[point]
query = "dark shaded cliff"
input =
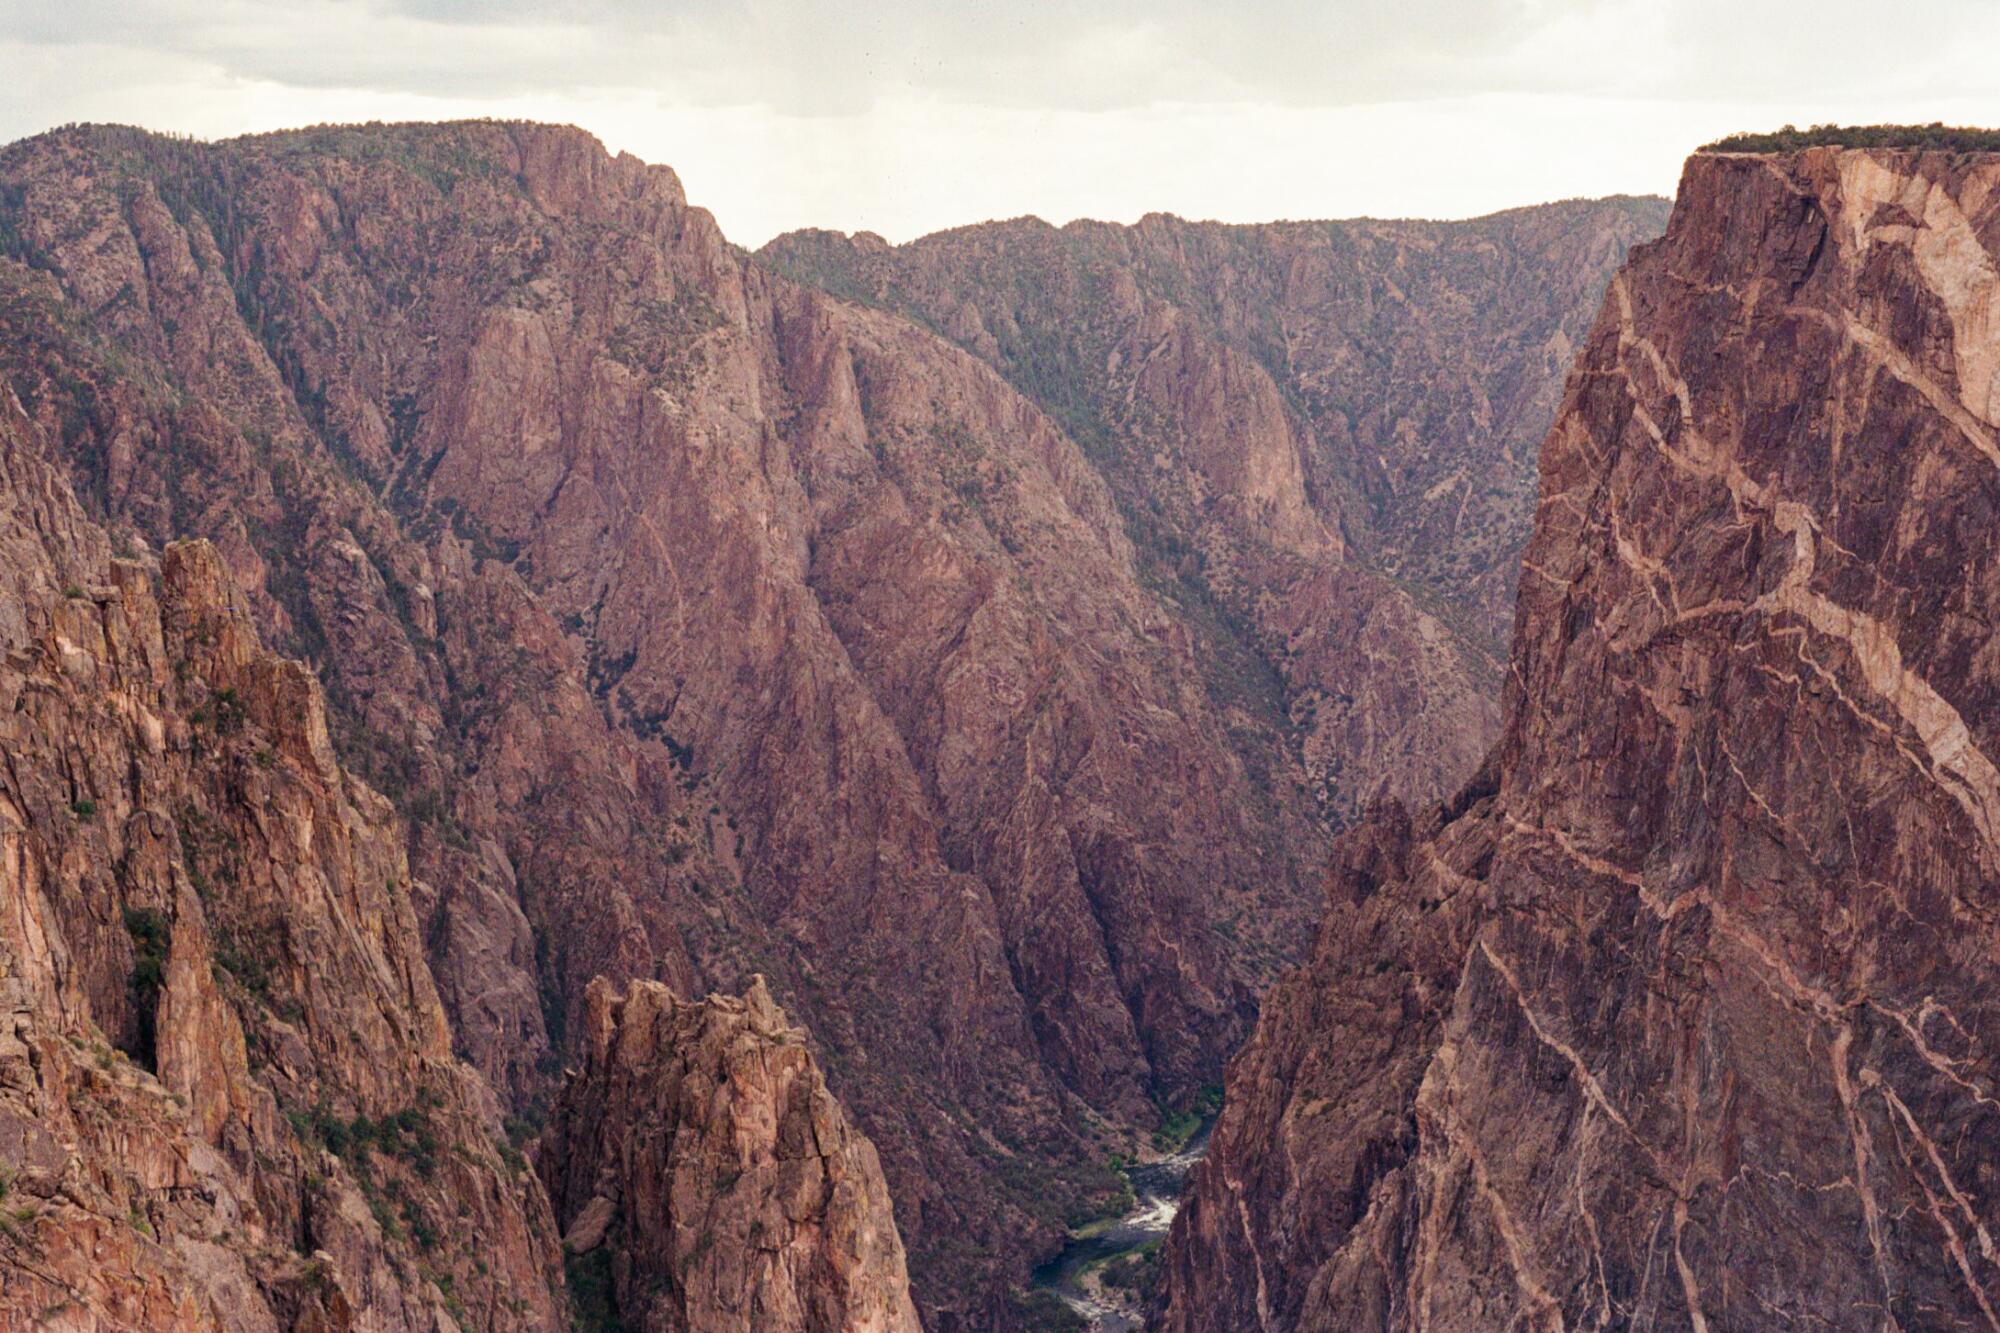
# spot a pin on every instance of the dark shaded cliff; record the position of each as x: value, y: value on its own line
x: 1683, y: 1016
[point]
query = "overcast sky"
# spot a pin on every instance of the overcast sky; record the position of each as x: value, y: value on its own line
x: 903, y: 117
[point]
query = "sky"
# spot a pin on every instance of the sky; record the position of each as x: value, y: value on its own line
x: 903, y: 117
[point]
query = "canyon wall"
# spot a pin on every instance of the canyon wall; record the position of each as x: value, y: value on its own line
x: 696, y: 623
x: 227, y: 1092
x: 1681, y: 1013
x: 1321, y: 435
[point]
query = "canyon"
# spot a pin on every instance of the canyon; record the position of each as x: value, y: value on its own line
x: 972, y: 647
x: 1680, y: 1013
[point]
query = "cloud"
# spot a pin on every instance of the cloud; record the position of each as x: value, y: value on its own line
x: 810, y: 57
x: 902, y: 117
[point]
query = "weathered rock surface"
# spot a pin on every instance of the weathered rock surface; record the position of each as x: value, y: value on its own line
x: 698, y: 623
x: 698, y: 1158
x: 1683, y: 1015
x: 1321, y: 435
x: 227, y: 1093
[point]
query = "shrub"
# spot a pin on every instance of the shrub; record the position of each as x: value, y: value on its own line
x: 421, y: 1229
x: 406, y: 1134
x: 1045, y: 1312
x: 1135, y: 1272
x: 592, y: 1299
x: 247, y: 968
x: 1949, y: 138
x: 151, y: 935
x: 228, y: 712
x: 516, y: 1163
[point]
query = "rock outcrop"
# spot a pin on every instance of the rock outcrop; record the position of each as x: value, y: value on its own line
x: 697, y: 1161
x: 1321, y: 435
x: 227, y: 1093
x: 1681, y: 1015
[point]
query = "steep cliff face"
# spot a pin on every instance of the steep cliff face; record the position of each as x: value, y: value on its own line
x: 227, y: 1092
x: 697, y: 623
x: 1683, y: 1017
x: 1322, y: 437
x: 698, y: 1162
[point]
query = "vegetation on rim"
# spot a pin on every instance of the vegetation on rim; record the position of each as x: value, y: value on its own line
x: 1949, y: 138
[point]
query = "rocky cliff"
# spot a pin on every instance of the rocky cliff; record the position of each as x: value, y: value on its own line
x: 227, y: 1096
x: 1681, y: 1015
x: 697, y: 623
x: 1321, y: 435
x: 227, y: 1092
x: 698, y: 1162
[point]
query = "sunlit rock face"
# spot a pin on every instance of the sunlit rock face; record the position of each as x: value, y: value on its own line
x: 1683, y: 1013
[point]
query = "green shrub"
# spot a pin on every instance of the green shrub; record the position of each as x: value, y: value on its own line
x: 248, y: 970
x: 406, y: 1134
x: 421, y: 1229
x: 385, y: 1217
x: 511, y: 1155
x: 228, y: 712
x: 1046, y: 1312
x: 1136, y: 1272
x: 1177, y: 1127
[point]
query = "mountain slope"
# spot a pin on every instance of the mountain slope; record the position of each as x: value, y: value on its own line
x: 227, y: 1099
x: 698, y: 622
x: 1321, y: 434
x: 1681, y: 1015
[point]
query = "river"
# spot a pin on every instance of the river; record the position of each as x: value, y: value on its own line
x: 1157, y: 1185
